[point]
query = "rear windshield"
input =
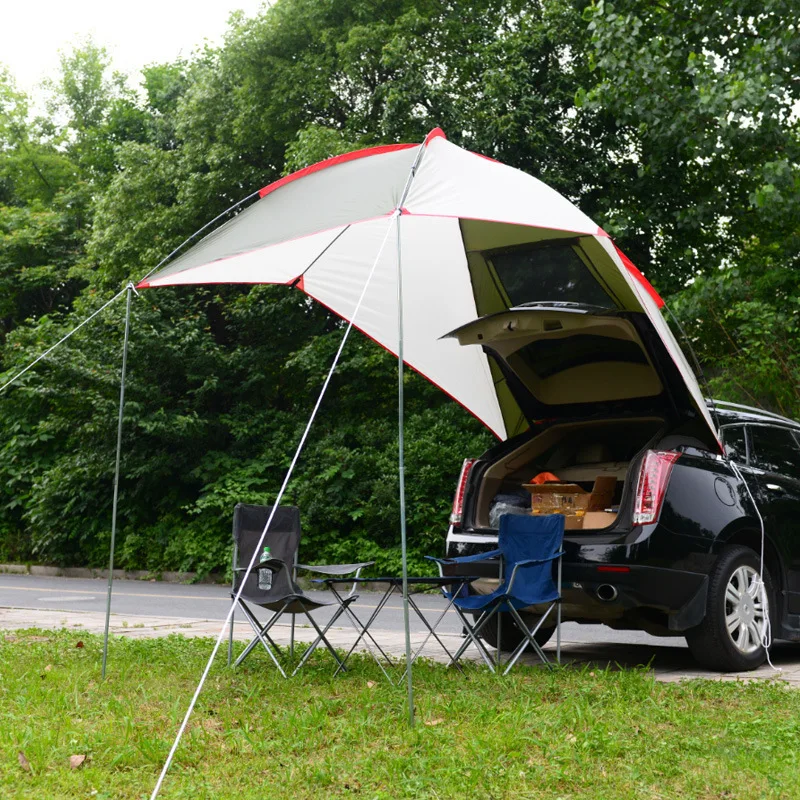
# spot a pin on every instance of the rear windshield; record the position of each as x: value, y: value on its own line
x: 554, y: 273
x: 547, y: 357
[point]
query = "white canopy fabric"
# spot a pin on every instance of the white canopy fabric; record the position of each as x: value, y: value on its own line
x: 320, y: 230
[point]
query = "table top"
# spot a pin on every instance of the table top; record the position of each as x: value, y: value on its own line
x: 394, y: 580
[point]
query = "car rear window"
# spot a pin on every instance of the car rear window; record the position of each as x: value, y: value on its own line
x: 554, y: 273
x: 775, y: 450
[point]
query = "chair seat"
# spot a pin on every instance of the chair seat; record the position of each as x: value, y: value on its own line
x: 478, y: 602
x: 294, y: 603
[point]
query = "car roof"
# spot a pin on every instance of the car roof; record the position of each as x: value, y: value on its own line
x: 729, y: 413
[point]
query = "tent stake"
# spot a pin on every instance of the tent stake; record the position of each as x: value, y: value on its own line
x: 116, y: 474
x: 402, y: 474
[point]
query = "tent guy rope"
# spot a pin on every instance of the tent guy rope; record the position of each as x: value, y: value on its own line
x: 126, y: 287
x: 256, y: 551
x: 64, y: 338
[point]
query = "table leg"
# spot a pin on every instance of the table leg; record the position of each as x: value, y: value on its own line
x: 364, y: 631
x: 357, y: 624
x: 432, y: 630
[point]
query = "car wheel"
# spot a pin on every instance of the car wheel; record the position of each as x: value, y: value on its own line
x: 510, y: 634
x: 737, y: 610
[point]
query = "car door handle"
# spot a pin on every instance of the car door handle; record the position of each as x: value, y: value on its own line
x: 775, y: 488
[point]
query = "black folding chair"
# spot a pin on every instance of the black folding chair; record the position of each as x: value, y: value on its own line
x: 283, y: 596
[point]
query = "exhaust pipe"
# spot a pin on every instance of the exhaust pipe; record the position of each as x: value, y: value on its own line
x: 606, y: 592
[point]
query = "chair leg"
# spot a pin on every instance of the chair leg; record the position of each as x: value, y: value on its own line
x: 320, y: 639
x: 472, y: 637
x: 476, y: 641
x: 261, y: 636
x: 529, y: 639
x: 558, y: 617
x: 230, y: 638
x: 234, y: 558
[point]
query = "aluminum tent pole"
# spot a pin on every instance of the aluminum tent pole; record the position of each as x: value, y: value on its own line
x: 402, y: 473
x: 116, y: 474
x: 400, y: 432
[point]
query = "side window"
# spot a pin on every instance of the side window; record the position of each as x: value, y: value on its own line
x: 734, y: 440
x: 775, y: 450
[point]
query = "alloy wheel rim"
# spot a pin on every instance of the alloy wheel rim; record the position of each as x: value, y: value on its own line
x: 746, y: 609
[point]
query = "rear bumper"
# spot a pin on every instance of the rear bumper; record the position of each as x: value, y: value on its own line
x: 678, y: 594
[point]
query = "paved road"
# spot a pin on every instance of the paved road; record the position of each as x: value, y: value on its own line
x: 143, y: 609
x: 200, y: 601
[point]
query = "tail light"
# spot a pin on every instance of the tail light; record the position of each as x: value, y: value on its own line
x: 653, y: 479
x: 458, y: 501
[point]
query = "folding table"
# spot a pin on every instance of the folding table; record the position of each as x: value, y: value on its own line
x: 394, y: 585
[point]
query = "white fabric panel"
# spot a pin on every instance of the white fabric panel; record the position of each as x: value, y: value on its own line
x: 360, y: 189
x: 437, y: 298
x: 660, y: 324
x: 454, y: 182
x: 280, y: 263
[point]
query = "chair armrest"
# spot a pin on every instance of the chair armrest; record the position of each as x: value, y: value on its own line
x: 272, y: 564
x: 336, y: 569
x: 467, y: 559
x: 339, y: 569
x: 530, y: 562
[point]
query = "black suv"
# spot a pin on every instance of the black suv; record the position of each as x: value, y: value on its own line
x: 599, y: 396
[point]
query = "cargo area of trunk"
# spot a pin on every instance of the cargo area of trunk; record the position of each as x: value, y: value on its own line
x: 576, y: 453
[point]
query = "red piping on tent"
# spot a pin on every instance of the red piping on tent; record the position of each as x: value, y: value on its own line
x: 332, y: 162
x: 410, y: 366
x: 631, y: 267
x: 352, y: 156
x: 436, y: 133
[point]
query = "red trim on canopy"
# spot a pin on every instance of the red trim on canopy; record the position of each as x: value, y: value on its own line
x: 436, y: 133
x: 631, y: 267
x: 332, y: 162
x: 410, y: 366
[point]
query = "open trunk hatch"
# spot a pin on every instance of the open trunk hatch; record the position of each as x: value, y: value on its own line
x: 567, y: 361
x: 572, y: 329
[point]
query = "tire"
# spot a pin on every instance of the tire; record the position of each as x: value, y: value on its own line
x: 729, y: 637
x: 510, y: 634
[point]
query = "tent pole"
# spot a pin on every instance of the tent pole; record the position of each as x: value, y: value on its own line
x: 116, y: 474
x: 402, y: 473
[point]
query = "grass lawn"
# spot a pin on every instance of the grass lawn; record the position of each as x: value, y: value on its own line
x: 563, y: 734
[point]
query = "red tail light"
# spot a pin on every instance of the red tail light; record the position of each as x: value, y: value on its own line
x: 652, y: 486
x: 458, y: 501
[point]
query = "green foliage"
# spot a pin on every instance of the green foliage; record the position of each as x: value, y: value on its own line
x: 577, y: 733
x: 674, y: 126
x: 744, y: 322
x: 707, y: 140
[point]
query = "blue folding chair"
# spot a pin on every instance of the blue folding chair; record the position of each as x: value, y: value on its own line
x: 528, y: 546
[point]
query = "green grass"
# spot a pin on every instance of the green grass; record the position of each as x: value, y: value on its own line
x: 535, y: 734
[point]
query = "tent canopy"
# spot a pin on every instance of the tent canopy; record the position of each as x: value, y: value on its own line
x: 320, y: 230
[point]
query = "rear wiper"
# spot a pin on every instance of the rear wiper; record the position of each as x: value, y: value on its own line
x: 568, y: 305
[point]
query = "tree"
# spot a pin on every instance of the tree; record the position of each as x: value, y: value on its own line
x: 707, y: 195
x: 707, y: 146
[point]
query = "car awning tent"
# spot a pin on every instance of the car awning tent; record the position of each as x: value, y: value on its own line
x: 320, y: 229
x: 325, y: 229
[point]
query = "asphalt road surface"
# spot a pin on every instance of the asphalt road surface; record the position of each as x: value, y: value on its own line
x: 202, y: 601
